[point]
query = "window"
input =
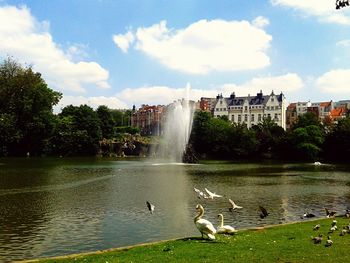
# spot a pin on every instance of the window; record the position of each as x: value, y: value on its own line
x: 245, y: 108
x: 239, y: 118
x: 276, y: 116
x: 268, y: 107
x: 252, y: 118
x: 246, y: 117
x: 259, y: 117
x: 233, y: 118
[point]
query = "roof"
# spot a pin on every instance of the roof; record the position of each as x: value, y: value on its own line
x: 338, y: 112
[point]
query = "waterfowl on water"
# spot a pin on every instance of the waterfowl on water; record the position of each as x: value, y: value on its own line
x: 330, y: 213
x: 308, y: 215
x: 264, y: 212
x: 204, y: 226
x: 317, y: 240
x: 234, y: 206
x: 211, y: 194
x: 224, y: 229
x: 200, y: 193
x: 150, y: 207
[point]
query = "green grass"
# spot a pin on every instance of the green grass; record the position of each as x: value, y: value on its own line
x: 284, y: 243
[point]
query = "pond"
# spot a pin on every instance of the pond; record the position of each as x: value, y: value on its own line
x: 51, y: 207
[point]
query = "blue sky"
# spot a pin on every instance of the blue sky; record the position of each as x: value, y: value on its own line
x: 119, y: 53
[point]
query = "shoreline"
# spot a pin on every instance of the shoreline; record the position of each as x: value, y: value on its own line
x: 126, y: 248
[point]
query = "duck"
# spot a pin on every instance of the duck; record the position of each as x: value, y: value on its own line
x: 150, y: 207
x: 204, y: 226
x: 234, y: 206
x: 317, y: 227
x: 224, y: 229
x: 211, y: 194
x: 317, y: 240
x: 329, y: 242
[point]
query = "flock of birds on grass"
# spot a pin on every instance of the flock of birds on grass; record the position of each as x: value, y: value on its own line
x: 207, y: 229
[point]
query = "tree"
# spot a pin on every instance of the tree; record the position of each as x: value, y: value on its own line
x: 106, y: 121
x: 26, y: 104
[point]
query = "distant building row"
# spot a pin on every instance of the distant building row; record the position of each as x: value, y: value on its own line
x: 247, y: 109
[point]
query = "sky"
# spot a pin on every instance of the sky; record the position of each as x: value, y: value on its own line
x: 121, y: 53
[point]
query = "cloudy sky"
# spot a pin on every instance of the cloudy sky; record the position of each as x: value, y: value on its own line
x: 124, y: 52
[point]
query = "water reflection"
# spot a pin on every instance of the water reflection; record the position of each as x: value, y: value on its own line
x: 52, y: 207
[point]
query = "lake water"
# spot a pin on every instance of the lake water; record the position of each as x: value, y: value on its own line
x: 51, y: 207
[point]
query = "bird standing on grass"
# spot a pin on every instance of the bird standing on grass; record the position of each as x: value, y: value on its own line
x: 317, y: 240
x: 329, y: 242
x: 330, y: 214
x: 204, y: 226
x: 224, y: 229
x: 317, y: 227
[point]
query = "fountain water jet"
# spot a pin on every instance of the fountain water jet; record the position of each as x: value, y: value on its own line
x: 177, y: 129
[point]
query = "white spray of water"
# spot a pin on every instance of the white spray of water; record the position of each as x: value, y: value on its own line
x: 177, y: 129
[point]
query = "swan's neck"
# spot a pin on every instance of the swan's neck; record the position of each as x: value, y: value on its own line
x: 221, y: 221
x: 200, y: 214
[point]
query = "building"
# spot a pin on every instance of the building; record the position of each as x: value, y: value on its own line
x: 252, y: 109
x: 148, y: 119
x: 324, y: 108
x: 207, y: 104
x: 291, y: 115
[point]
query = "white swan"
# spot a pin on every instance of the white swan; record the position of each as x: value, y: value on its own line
x: 224, y: 229
x: 203, y: 225
x: 234, y: 206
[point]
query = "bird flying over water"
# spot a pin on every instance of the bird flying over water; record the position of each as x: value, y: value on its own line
x: 264, y: 212
x: 234, y: 206
x: 150, y: 207
x: 200, y: 193
x: 211, y: 194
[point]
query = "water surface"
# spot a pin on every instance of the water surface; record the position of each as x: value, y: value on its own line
x: 52, y: 207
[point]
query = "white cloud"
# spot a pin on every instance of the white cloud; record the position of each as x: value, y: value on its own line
x: 260, y: 22
x: 29, y: 41
x: 204, y: 46
x: 335, y: 82
x: 344, y: 43
x: 324, y: 9
x: 124, y: 41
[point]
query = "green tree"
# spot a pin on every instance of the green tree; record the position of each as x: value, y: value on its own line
x: 26, y: 104
x: 107, y: 122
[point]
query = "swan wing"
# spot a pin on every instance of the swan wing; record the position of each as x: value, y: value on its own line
x: 205, y: 226
x: 211, y: 194
x: 226, y: 229
x: 234, y: 206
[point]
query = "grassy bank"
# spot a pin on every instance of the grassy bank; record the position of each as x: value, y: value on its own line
x: 284, y: 243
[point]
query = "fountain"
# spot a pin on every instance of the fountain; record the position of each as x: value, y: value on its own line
x: 177, y: 129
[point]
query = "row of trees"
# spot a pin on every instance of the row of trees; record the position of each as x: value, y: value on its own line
x: 309, y: 139
x: 28, y: 124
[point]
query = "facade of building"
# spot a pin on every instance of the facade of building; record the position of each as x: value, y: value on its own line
x: 324, y: 108
x: 252, y: 109
x: 207, y: 104
x: 148, y: 119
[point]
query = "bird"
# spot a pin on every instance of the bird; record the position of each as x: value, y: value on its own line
x: 347, y: 213
x: 343, y: 232
x: 329, y: 242
x: 307, y: 215
x: 264, y: 212
x: 334, y: 223
x: 150, y: 206
x: 317, y: 227
x: 224, y: 229
x: 204, y: 226
x: 211, y: 194
x: 317, y: 240
x: 200, y: 193
x: 332, y: 229
x: 330, y: 213
x: 234, y: 206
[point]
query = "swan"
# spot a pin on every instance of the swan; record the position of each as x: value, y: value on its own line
x: 224, y: 229
x: 150, y: 207
x: 211, y: 194
x: 203, y: 225
x: 200, y: 193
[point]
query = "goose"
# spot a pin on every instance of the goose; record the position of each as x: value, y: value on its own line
x: 211, y: 194
x: 204, y: 226
x: 264, y: 212
x: 308, y: 215
x: 150, y: 206
x: 334, y: 223
x: 234, y: 206
x: 343, y: 232
x: 224, y: 229
x: 317, y: 227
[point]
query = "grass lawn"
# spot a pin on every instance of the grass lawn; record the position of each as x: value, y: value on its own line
x: 283, y: 243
